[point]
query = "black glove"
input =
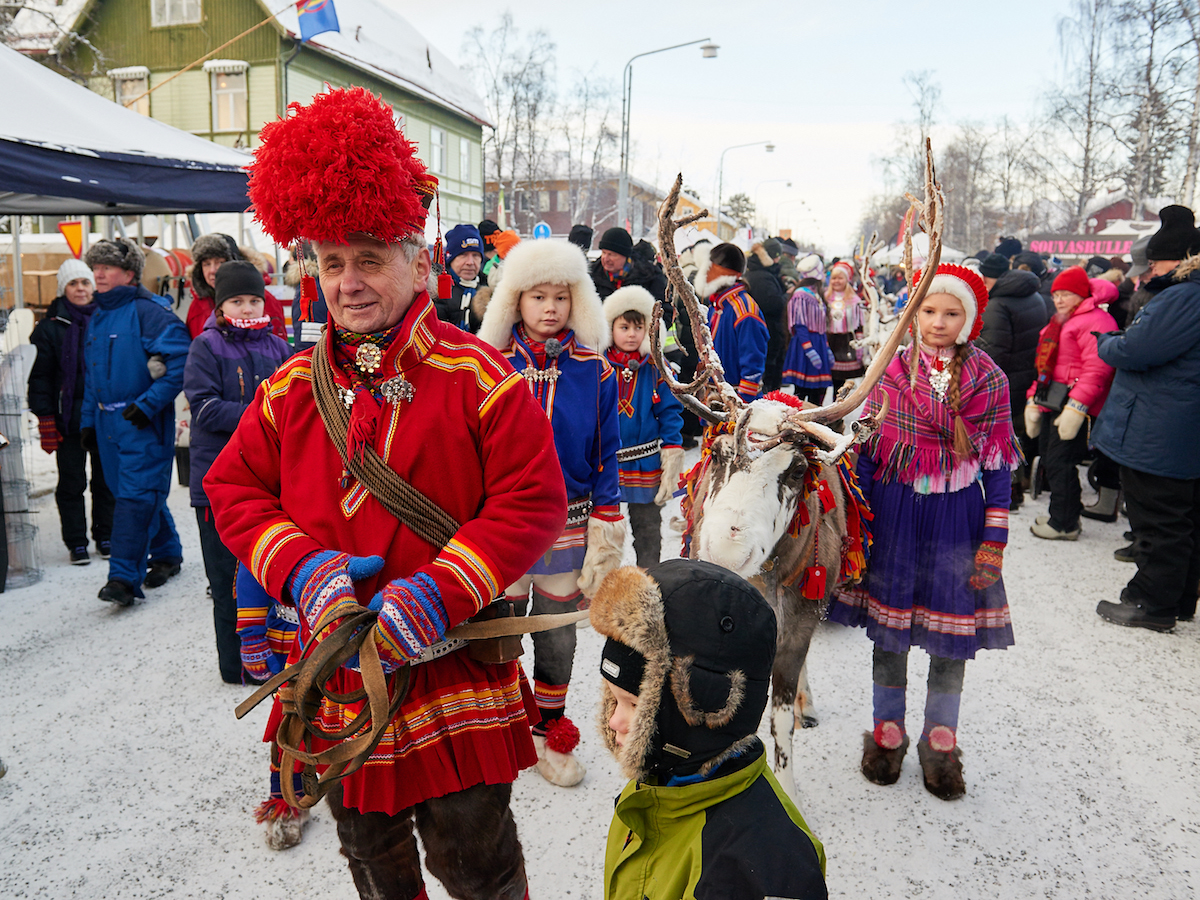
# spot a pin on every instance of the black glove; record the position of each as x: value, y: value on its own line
x: 87, y: 439
x: 136, y: 416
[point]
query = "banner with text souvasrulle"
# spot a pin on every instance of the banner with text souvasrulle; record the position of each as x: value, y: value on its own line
x: 1081, y: 244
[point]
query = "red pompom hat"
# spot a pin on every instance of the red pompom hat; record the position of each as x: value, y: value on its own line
x: 336, y: 167
x: 1074, y: 280
x: 966, y: 285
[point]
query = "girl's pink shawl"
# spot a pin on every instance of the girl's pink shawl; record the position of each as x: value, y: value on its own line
x: 915, y: 444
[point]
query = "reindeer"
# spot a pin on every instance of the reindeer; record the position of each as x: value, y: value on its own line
x: 747, y: 497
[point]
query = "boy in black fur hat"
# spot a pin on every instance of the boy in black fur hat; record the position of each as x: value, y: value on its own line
x: 686, y: 671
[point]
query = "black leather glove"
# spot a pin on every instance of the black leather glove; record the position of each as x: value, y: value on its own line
x: 87, y: 439
x: 136, y: 416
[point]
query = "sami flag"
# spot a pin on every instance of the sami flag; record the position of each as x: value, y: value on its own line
x: 316, y: 17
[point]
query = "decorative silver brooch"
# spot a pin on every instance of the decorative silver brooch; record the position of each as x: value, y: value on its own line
x: 396, y: 389
x: 368, y: 358
x: 939, y: 380
x: 536, y: 376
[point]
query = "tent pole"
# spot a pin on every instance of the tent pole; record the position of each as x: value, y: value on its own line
x: 120, y: 221
x: 87, y: 233
x: 18, y: 275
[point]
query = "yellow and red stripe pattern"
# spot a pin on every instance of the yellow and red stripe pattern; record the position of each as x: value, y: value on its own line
x: 472, y: 569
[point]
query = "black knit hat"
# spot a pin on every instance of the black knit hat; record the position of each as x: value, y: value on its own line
x: 993, y: 266
x: 617, y: 240
x: 1097, y: 265
x: 1032, y: 261
x: 728, y: 255
x: 581, y: 237
x: 238, y: 277
x: 697, y: 644
x: 1009, y: 247
x: 1176, y: 238
x: 487, y: 227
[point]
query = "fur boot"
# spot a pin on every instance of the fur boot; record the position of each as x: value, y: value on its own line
x: 1106, y: 507
x: 555, y: 760
x: 605, y: 547
x: 943, y: 771
x: 284, y: 824
x: 881, y: 766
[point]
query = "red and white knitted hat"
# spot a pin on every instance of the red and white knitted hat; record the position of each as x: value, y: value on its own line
x: 968, y: 288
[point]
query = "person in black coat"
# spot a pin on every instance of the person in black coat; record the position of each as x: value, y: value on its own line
x: 618, y: 267
x: 765, y: 284
x: 1012, y: 321
x: 464, y: 261
x: 56, y: 398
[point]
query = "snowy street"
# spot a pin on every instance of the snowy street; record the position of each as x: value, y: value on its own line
x: 128, y: 775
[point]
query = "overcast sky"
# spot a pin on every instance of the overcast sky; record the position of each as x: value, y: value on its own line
x: 821, y: 80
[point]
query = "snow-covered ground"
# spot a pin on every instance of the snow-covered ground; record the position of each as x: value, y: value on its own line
x: 128, y: 776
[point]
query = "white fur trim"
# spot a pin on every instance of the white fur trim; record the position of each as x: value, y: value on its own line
x: 531, y: 263
x: 705, y: 289
x: 944, y: 283
x: 640, y: 300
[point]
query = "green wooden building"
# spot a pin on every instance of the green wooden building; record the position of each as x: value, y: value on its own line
x: 122, y: 48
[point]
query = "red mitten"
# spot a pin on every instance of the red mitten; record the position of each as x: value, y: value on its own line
x: 48, y: 434
x: 989, y: 559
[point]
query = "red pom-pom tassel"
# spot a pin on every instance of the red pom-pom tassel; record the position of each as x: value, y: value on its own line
x: 561, y: 735
x: 363, y: 418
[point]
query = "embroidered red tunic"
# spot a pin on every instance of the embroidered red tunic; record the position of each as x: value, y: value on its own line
x: 474, y: 441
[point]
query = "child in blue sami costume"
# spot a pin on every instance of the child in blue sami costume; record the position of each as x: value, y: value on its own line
x: 651, y: 417
x: 546, y: 317
x: 738, y: 330
x: 267, y: 629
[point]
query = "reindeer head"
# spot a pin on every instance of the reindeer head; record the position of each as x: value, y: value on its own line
x: 758, y: 471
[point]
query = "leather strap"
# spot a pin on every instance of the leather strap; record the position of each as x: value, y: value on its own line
x: 427, y: 520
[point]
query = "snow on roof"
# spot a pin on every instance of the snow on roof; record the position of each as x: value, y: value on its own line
x: 40, y: 24
x: 380, y: 41
x: 1104, y: 199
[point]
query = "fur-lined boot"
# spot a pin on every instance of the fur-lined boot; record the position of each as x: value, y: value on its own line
x: 556, y: 759
x: 943, y: 771
x: 880, y: 763
x: 284, y: 824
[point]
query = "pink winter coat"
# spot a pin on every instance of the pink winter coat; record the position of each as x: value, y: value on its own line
x: 1077, y: 362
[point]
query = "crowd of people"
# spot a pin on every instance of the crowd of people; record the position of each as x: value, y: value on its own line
x: 513, y: 401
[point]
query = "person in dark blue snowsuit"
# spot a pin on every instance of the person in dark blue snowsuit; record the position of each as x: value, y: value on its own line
x: 130, y: 416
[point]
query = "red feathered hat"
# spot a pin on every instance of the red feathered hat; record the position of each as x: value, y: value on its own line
x: 336, y: 167
x: 968, y: 287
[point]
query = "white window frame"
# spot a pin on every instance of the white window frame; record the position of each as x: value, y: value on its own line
x: 130, y: 82
x: 437, y: 150
x: 165, y: 13
x: 465, y: 175
x: 225, y: 100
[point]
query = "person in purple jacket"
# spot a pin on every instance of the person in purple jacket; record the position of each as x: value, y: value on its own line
x: 235, y: 351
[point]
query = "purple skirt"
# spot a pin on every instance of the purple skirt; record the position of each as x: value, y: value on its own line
x: 917, y: 588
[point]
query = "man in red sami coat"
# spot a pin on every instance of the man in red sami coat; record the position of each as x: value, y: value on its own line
x: 450, y: 416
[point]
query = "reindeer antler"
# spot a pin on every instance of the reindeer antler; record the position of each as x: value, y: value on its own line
x: 710, y: 375
x: 930, y: 213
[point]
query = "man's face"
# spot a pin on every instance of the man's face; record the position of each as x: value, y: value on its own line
x: 369, y: 285
x: 109, y: 277
x: 612, y: 262
x: 466, y: 265
x: 1162, y: 267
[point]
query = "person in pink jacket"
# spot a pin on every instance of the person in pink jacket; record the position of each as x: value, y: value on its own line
x: 1072, y: 384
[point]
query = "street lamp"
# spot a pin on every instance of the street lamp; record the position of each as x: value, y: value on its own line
x: 758, y: 188
x: 802, y: 202
x: 721, y: 172
x: 708, y: 51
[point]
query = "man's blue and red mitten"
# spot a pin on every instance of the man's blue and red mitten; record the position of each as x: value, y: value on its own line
x: 411, y: 618
x: 322, y: 585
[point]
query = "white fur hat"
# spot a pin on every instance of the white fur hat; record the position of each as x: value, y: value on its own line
x: 531, y: 263
x: 638, y: 299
